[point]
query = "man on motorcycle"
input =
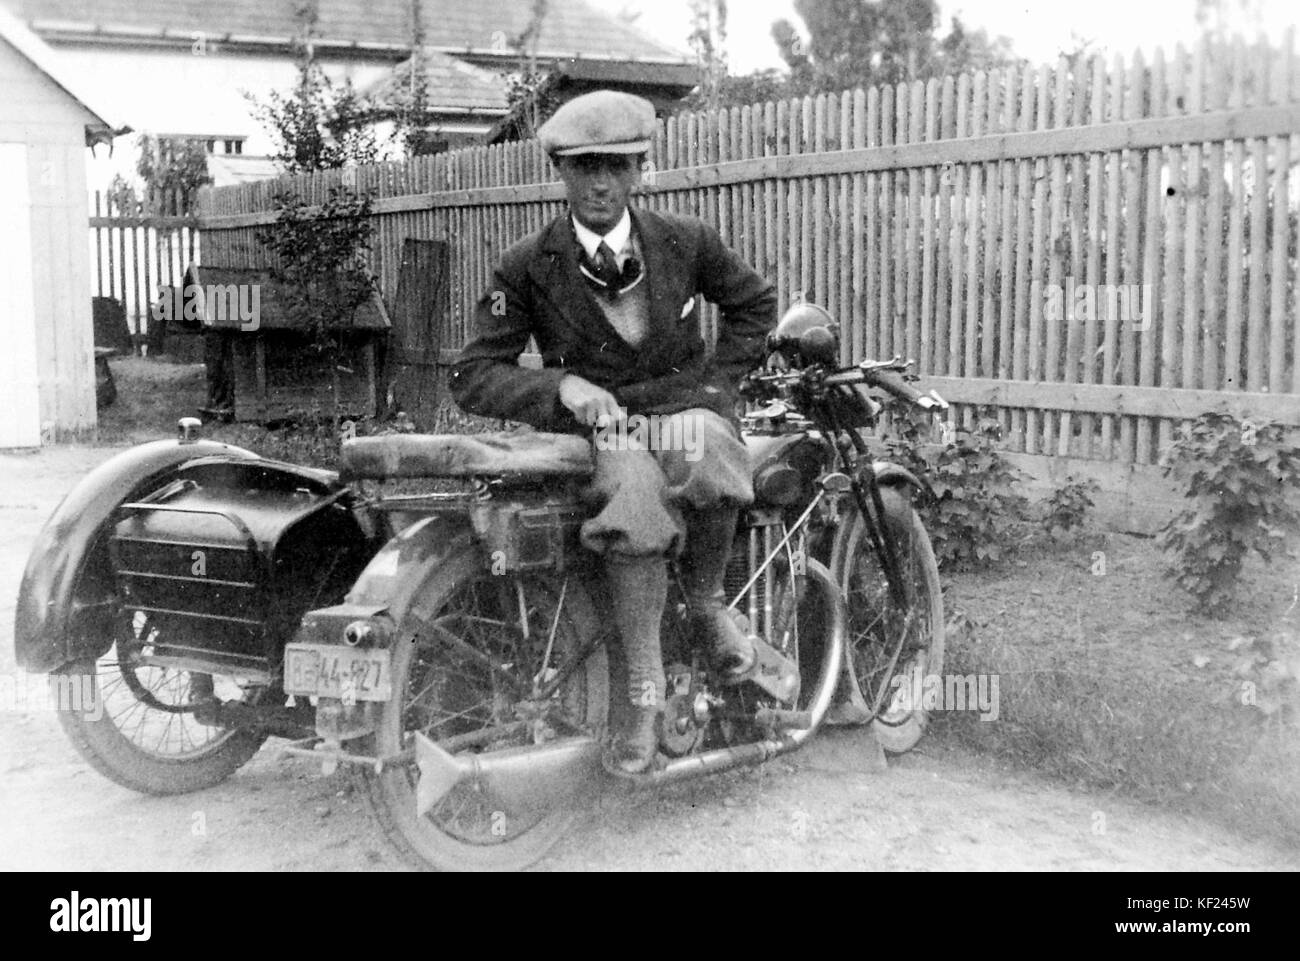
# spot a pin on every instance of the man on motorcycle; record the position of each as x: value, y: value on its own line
x: 609, y: 294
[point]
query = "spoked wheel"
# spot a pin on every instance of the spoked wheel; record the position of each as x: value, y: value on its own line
x: 135, y: 723
x: 485, y: 663
x: 892, y: 648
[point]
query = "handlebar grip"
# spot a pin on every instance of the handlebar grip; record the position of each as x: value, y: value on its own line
x: 892, y: 382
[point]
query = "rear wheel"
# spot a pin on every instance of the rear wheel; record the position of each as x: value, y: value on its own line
x: 465, y: 667
x: 135, y: 724
x: 893, y: 648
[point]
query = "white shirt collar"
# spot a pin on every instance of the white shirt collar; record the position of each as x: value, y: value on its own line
x: 616, y: 238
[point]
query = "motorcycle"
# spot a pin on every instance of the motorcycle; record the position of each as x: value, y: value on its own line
x: 449, y: 646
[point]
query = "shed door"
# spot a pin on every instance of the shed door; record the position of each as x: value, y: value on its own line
x: 20, y: 419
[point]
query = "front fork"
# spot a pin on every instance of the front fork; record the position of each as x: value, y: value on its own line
x: 866, y: 491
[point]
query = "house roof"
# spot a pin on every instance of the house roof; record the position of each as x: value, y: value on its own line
x: 38, y: 53
x: 449, y: 81
x: 454, y: 26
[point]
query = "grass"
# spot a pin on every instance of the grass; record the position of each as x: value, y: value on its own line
x: 1106, y: 680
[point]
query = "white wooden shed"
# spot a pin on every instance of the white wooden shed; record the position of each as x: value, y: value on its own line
x: 47, y: 376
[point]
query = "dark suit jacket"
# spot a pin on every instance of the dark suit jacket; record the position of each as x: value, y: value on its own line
x: 538, y: 290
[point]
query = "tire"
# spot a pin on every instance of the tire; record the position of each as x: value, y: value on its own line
x: 467, y: 830
x: 143, y: 747
x: 876, y: 623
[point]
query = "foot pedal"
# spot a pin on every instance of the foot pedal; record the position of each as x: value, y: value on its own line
x: 772, y: 671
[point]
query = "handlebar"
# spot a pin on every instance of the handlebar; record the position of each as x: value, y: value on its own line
x: 885, y: 375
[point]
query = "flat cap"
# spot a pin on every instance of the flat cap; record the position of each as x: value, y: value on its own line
x: 604, y: 121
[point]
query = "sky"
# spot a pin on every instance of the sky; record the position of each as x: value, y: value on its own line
x: 1039, y: 29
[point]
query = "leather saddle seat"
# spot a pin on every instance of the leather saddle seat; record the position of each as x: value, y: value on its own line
x: 512, y: 456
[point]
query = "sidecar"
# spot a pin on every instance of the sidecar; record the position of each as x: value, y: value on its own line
x: 197, y: 598
x: 161, y: 593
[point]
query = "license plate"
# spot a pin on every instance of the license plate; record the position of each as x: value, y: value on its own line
x: 323, y: 670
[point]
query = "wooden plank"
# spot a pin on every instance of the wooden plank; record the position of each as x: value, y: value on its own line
x: 1083, y: 360
x: 1148, y: 133
x: 1057, y: 225
x: 860, y: 236
x: 1168, y: 403
x: 929, y: 241
x: 943, y: 242
x: 884, y: 249
x: 1034, y: 369
x: 1025, y: 290
x: 975, y: 220
x: 784, y: 231
x: 872, y: 307
x: 991, y: 223
x: 957, y: 238
x: 1000, y: 360
x: 1281, y: 268
x: 817, y: 192
x: 1115, y: 252
x: 1256, y: 362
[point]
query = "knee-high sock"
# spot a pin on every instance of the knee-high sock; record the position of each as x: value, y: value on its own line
x: 704, y: 559
x: 638, y: 590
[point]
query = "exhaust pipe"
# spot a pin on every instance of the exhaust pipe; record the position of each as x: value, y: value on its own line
x: 519, y: 777
x: 527, y: 776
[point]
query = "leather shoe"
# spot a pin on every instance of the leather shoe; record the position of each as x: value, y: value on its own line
x: 723, y: 635
x: 633, y: 749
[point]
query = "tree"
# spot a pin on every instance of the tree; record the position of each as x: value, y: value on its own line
x: 410, y: 91
x: 318, y: 125
x: 319, y: 252
x: 862, y: 43
x: 708, y: 38
x: 172, y: 166
x: 528, y: 88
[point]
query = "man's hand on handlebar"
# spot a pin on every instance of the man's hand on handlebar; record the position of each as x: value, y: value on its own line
x: 589, y: 404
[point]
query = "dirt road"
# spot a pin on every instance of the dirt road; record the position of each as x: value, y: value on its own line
x: 822, y: 809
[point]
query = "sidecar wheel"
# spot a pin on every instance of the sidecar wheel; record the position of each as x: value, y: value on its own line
x: 448, y: 693
x: 877, y: 625
x: 148, y: 749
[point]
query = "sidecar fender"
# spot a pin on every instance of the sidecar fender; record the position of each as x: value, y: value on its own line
x: 64, y: 607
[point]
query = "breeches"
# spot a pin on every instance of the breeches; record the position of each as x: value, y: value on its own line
x: 647, y: 473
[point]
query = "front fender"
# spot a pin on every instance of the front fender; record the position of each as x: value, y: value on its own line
x: 892, y: 475
x: 64, y: 605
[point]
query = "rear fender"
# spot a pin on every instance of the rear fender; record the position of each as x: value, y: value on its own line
x: 64, y: 610
x: 390, y: 583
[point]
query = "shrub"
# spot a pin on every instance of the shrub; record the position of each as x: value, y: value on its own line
x: 1068, y: 506
x: 1237, y: 476
x: 976, y: 505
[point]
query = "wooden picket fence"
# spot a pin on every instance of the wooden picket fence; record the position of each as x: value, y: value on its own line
x: 135, y: 252
x: 963, y: 222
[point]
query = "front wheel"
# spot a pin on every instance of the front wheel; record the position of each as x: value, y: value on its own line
x: 892, y: 648
x: 470, y: 663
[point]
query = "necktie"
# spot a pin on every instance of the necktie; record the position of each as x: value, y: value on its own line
x: 607, y: 267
